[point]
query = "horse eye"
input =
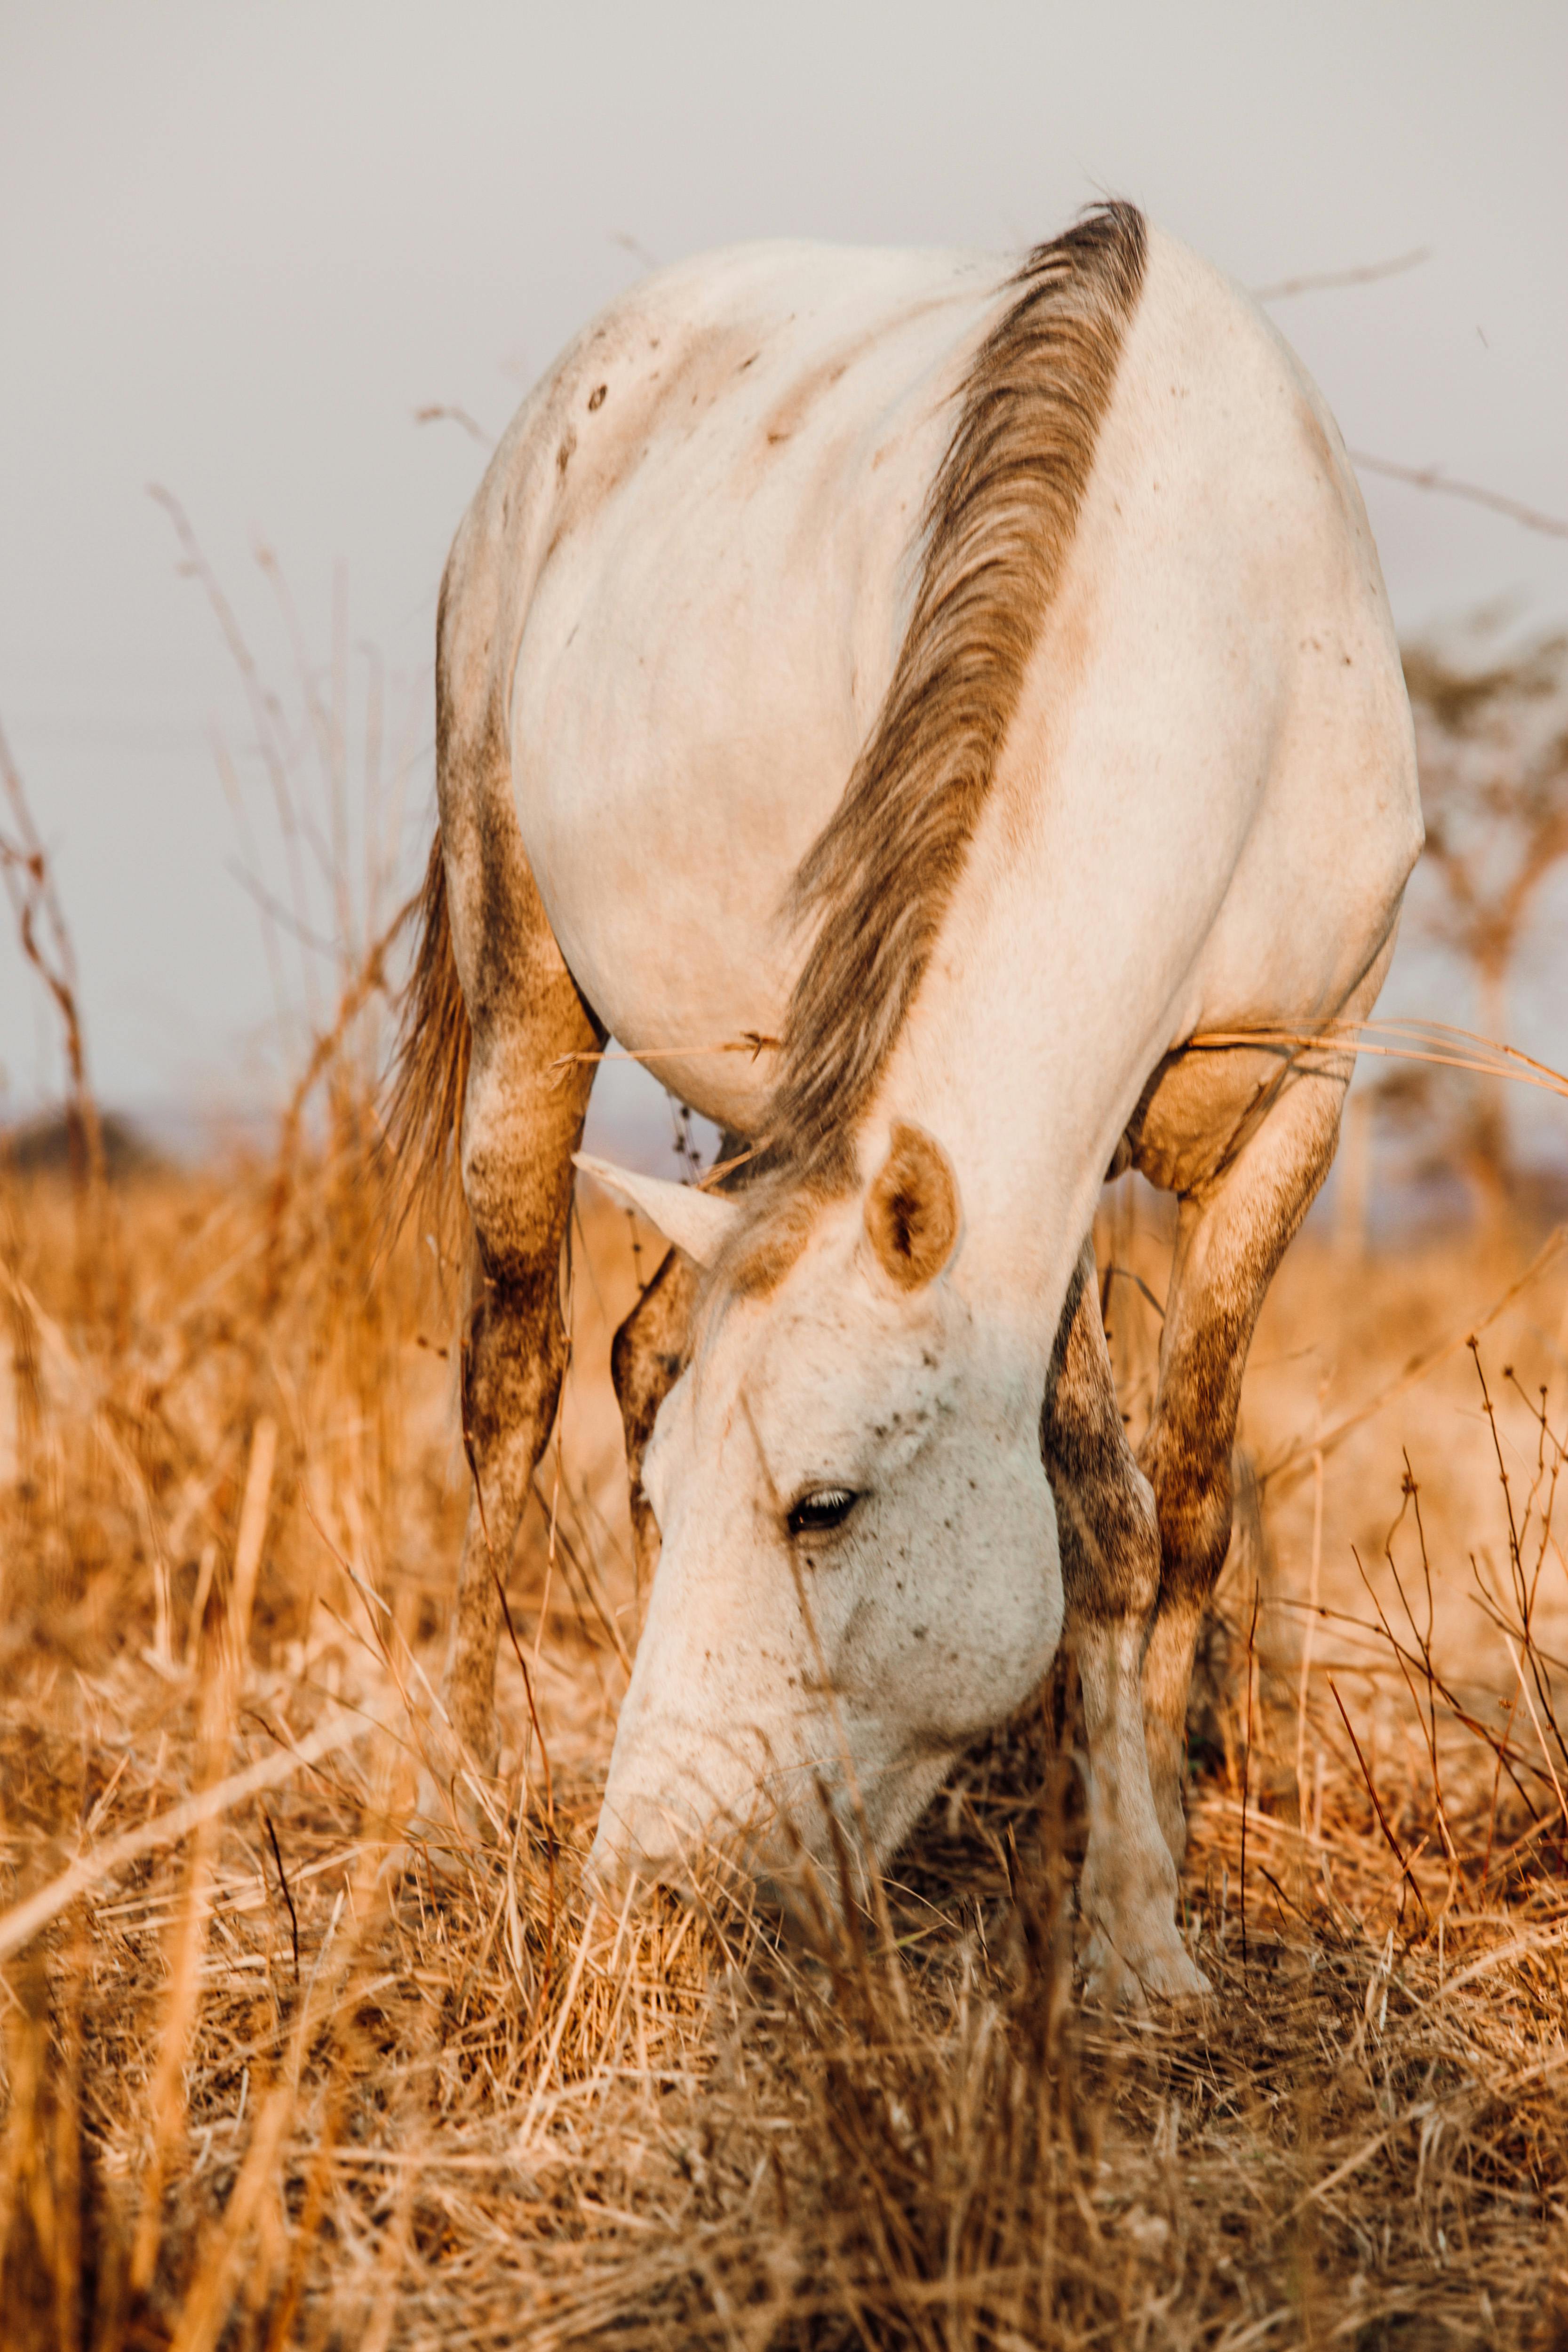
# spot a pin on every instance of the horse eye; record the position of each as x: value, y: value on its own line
x: 826, y: 1507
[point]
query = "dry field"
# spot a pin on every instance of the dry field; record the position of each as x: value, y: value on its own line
x: 277, y: 2072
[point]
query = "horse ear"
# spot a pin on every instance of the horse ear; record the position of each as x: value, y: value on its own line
x: 697, y: 1222
x: 911, y: 1209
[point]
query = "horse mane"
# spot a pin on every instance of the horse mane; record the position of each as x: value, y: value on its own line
x: 998, y: 524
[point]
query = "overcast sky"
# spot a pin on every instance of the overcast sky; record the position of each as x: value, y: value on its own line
x: 240, y: 246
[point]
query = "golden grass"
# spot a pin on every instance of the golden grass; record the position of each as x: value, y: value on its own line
x: 275, y: 2075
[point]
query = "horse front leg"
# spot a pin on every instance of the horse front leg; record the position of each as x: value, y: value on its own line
x: 530, y: 1073
x: 1233, y: 1229
x: 646, y: 1357
x: 1109, y: 1539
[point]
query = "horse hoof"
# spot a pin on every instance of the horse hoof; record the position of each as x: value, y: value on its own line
x: 1132, y: 1979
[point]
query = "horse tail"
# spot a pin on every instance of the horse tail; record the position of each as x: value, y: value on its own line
x: 429, y: 1074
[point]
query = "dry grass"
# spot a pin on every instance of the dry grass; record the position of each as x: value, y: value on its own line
x: 279, y: 2072
x: 286, y: 2079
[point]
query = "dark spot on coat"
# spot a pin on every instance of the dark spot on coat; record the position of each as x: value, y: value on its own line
x: 563, y: 455
x: 597, y: 398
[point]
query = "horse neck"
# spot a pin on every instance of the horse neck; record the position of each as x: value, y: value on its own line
x: 1030, y: 1111
x: 1055, y: 987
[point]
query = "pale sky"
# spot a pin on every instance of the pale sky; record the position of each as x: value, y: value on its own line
x: 240, y: 246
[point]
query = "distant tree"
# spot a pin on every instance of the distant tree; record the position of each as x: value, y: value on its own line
x: 1491, y: 741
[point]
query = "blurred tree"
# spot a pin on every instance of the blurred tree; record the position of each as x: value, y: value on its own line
x: 1491, y: 741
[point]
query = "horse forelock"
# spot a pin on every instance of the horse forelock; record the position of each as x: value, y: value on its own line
x: 999, y: 520
x: 780, y: 1215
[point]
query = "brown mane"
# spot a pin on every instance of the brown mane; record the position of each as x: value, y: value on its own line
x: 998, y: 523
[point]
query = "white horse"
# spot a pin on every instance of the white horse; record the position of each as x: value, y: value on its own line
x: 913, y: 698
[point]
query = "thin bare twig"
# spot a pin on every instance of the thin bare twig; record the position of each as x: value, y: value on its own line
x: 448, y: 412
x: 1393, y: 1844
x: 1282, y: 1475
x: 283, y: 1883
x: 1428, y: 478
x: 1323, y: 281
x: 1247, y: 1764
